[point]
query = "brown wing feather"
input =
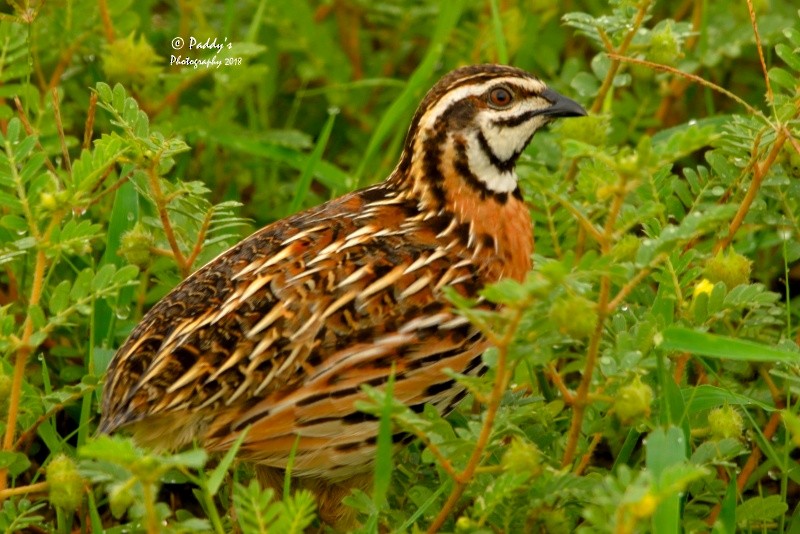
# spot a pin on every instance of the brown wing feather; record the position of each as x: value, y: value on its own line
x: 280, y: 332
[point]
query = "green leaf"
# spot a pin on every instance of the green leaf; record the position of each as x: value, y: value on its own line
x: 102, y: 277
x: 761, y: 509
x: 118, y: 98
x: 254, y: 511
x: 782, y: 78
x: 59, y: 298
x: 92, y: 166
x: 192, y: 459
x: 102, y: 358
x: 124, y: 274
x: 706, y: 397
x: 676, y: 338
x: 37, y: 316
x: 103, y: 91
x: 297, y: 513
x: 15, y: 462
x: 12, y: 131
x: 32, y: 168
x: 124, y: 214
x: 23, y: 148
x: 242, y: 49
x: 14, y: 223
x: 665, y: 448
x: 82, y: 285
x: 793, y: 34
x: 789, y: 56
x: 26, y: 243
x: 794, y: 524
x: 113, y: 449
x: 506, y: 291
x: 717, y: 451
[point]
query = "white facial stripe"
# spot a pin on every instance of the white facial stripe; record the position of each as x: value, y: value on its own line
x: 467, y: 90
x: 482, y: 168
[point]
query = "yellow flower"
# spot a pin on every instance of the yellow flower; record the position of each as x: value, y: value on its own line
x: 703, y: 286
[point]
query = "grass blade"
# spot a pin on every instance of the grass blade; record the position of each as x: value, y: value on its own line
x: 304, y: 182
x: 715, y: 346
x: 218, y: 474
x: 449, y: 14
x: 666, y: 448
x: 499, y: 38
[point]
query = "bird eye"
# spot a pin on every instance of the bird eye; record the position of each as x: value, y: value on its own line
x: 500, y: 97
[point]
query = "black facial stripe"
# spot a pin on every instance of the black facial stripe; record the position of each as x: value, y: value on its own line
x: 519, y: 92
x: 517, y: 120
x: 462, y: 168
x: 497, y: 163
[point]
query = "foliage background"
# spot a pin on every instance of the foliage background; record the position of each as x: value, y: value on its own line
x: 651, y: 359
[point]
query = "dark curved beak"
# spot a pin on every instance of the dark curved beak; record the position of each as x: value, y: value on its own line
x: 561, y: 106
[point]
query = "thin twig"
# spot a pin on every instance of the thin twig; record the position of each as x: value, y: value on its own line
x: 23, y: 117
x: 752, y: 12
x: 680, y: 367
x: 582, y: 394
x: 31, y: 430
x: 692, y: 77
x: 777, y: 395
x: 60, y: 128
x: 110, y: 189
x: 633, y: 282
x: 442, y: 460
x: 592, y: 354
x: 608, y: 81
x: 88, y: 130
x: 587, y: 457
x: 172, y: 97
x: 583, y: 222
x: 158, y: 251
x: 759, y: 173
x: 502, y: 377
x: 105, y: 16
x: 201, y: 237
x: 677, y: 86
x: 63, y: 62
x: 24, y: 345
x: 25, y: 348
x: 158, y: 196
x: 39, y: 487
x: 555, y: 378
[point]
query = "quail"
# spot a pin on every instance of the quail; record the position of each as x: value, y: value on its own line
x: 278, y: 334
